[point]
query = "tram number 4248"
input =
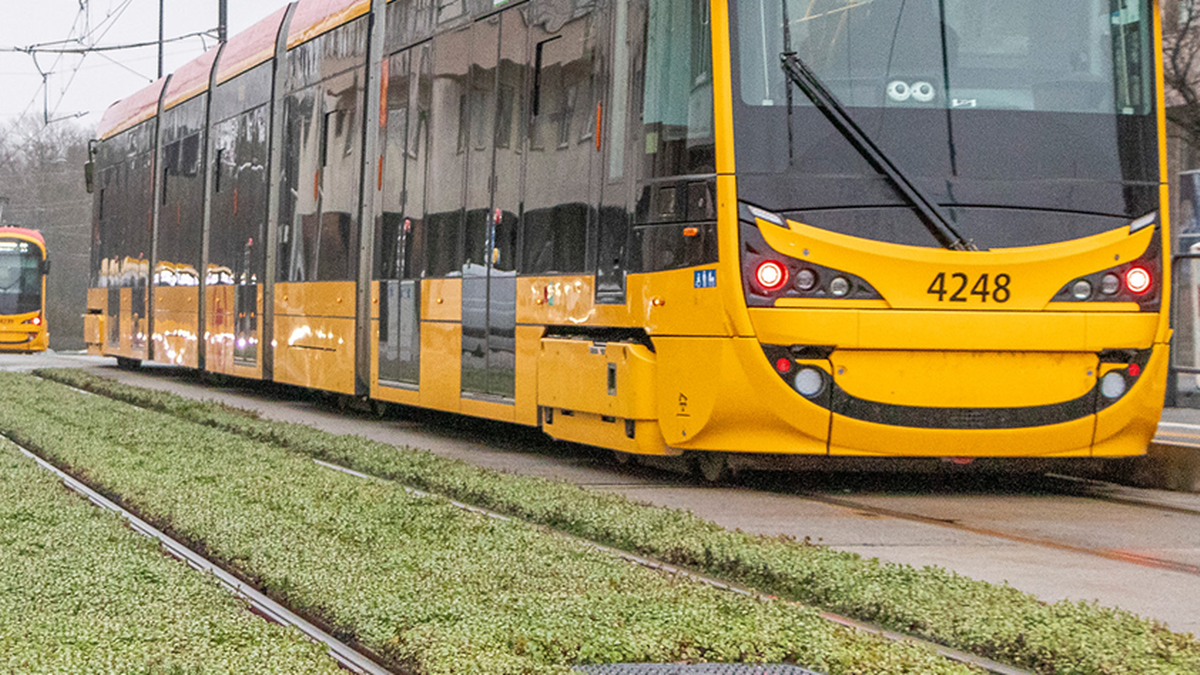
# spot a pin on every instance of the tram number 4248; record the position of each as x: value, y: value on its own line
x: 953, y: 288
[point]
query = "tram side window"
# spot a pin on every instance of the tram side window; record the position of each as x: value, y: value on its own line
x: 239, y: 201
x: 298, y: 208
x: 677, y: 100
x: 182, y: 202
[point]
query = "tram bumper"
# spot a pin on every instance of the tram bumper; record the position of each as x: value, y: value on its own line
x: 991, y: 404
x: 1004, y: 385
x: 12, y: 339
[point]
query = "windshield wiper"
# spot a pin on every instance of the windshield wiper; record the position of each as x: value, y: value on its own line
x: 808, y: 82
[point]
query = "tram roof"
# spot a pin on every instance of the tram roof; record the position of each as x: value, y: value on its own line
x: 251, y: 47
x: 131, y: 110
x: 314, y: 17
x: 190, y: 80
x: 24, y: 233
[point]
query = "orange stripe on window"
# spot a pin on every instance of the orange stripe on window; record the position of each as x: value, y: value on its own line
x: 383, y: 93
x: 599, y: 116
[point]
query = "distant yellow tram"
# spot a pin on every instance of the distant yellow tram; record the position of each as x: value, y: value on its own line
x: 770, y: 234
x: 23, y: 268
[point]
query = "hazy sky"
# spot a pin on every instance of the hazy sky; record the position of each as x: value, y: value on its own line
x: 88, y: 84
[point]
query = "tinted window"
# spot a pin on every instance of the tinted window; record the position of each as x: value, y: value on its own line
x: 677, y: 97
x: 20, y: 277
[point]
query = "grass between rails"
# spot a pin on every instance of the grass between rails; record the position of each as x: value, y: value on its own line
x: 82, y: 593
x: 996, y: 621
x: 428, y: 586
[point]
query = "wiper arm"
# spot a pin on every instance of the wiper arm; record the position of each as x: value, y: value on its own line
x: 927, y: 210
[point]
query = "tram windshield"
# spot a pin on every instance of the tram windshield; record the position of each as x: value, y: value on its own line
x: 20, y: 277
x: 1043, y: 107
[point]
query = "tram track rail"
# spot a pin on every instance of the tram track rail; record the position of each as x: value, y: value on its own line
x: 349, y: 658
x: 949, y: 523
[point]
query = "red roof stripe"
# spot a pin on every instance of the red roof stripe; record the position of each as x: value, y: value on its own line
x: 250, y: 47
x: 131, y: 111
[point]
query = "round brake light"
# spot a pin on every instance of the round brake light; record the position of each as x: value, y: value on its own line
x: 1137, y: 280
x: 771, y: 275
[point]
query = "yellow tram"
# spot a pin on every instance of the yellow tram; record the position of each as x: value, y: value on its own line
x: 766, y: 233
x: 23, y: 268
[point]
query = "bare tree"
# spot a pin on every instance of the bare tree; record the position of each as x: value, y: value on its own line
x: 41, y: 173
x: 1181, y: 67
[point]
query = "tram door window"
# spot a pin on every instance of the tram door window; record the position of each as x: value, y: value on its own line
x: 614, y: 216
x: 447, y: 167
x: 341, y: 168
x: 493, y: 203
x: 299, y: 206
x: 562, y: 149
x: 400, y: 229
x: 239, y: 201
x: 177, y: 252
x: 138, y: 223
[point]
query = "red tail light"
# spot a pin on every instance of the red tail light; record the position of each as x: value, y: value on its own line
x: 1138, y: 280
x: 36, y: 321
x: 771, y: 275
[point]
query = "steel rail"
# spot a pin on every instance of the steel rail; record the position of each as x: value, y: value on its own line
x: 1159, y: 500
x: 1109, y: 554
x: 346, y: 656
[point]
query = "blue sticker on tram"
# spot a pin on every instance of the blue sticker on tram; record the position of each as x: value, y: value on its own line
x: 706, y: 279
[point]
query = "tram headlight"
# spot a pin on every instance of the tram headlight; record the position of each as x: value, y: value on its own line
x: 839, y: 287
x: 1112, y: 385
x: 35, y: 321
x: 1082, y: 290
x: 1110, y: 284
x: 809, y: 382
x: 806, y: 280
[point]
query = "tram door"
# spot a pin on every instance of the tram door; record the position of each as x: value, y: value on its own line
x: 400, y: 230
x: 493, y: 202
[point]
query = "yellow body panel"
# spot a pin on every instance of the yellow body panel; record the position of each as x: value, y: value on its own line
x: 575, y: 375
x: 918, y: 330
x: 17, y: 336
x: 315, y: 298
x: 1126, y: 427
x: 176, y: 326
x: 526, y: 404
x: 668, y: 303
x: 903, y: 274
x: 130, y: 326
x: 221, y: 336
x: 607, y: 432
x: 94, y: 320
x: 314, y: 335
x: 489, y: 409
x: 441, y: 365
x: 708, y: 389
x: 441, y: 300
x: 946, y: 379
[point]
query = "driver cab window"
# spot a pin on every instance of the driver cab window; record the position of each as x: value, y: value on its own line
x: 677, y: 102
